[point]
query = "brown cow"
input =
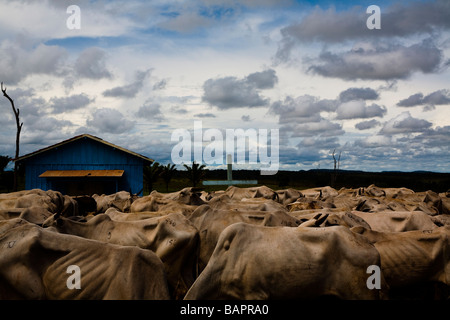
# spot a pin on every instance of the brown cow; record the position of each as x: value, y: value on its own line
x: 34, y: 264
x: 121, y: 200
x: 397, y: 221
x: 237, y: 193
x: 257, y: 262
x: 155, y: 200
x: 414, y: 259
x: 172, y: 237
x: 210, y: 222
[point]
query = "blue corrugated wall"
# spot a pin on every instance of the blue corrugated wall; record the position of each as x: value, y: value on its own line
x: 85, y: 154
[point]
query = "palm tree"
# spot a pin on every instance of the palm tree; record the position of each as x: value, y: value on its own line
x: 196, y: 173
x: 167, y: 174
x: 151, y: 175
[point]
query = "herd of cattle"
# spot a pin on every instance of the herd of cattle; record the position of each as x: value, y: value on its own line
x: 239, y: 243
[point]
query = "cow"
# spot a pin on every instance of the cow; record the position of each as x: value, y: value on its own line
x: 117, y: 215
x: 254, y: 262
x: 397, y: 221
x: 441, y: 203
x: 225, y: 202
x: 287, y: 196
x: 6, y: 214
x: 36, y: 263
x: 51, y: 200
x: 414, y: 259
x: 172, y: 237
x: 121, y: 200
x: 237, y: 193
x: 210, y: 222
x: 325, y: 219
x: 155, y: 200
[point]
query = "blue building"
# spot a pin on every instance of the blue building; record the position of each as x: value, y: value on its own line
x: 84, y: 165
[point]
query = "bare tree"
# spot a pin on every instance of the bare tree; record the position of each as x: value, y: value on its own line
x: 336, y: 168
x: 19, y: 129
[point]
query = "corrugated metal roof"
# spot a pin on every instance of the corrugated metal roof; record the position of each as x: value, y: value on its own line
x: 81, y: 173
x: 81, y: 137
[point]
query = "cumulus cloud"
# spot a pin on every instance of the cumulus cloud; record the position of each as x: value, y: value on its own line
x: 263, y: 80
x: 375, y: 141
x: 439, y: 97
x: 301, y: 109
x: 337, y: 26
x: 150, y: 111
x: 91, y: 64
x: 379, y: 62
x: 131, y: 90
x: 231, y: 92
x: 405, y: 123
x: 358, y: 109
x: 369, y: 124
x: 358, y: 94
x: 319, y: 143
x: 69, y: 103
x: 107, y: 120
x: 411, y: 101
x: 19, y: 59
x: 322, y: 128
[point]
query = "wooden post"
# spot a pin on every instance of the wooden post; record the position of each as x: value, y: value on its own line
x: 229, y: 169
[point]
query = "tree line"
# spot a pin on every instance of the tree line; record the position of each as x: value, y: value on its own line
x: 152, y: 173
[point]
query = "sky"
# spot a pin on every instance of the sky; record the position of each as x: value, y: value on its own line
x: 133, y: 72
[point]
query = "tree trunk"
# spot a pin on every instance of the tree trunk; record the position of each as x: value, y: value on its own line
x: 19, y: 129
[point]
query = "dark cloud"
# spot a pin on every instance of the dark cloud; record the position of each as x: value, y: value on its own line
x: 379, y: 62
x: 150, y: 111
x: 411, y: 101
x: 319, y: 143
x: 205, y: 115
x: 91, y: 64
x: 439, y: 97
x: 301, y: 109
x: 435, y: 138
x: 42, y: 123
x: 322, y: 128
x: 67, y: 104
x: 405, y: 123
x: 369, y: 124
x: 20, y: 59
x: 109, y: 120
x: 129, y: 91
x: 358, y: 94
x: 245, y: 118
x: 263, y: 80
x: 333, y: 26
x: 231, y: 92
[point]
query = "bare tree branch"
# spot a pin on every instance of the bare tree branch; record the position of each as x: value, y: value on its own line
x: 19, y: 129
